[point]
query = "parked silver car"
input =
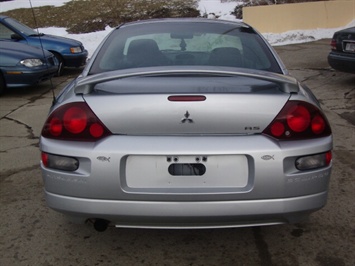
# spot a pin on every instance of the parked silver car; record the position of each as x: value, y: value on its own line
x: 186, y: 123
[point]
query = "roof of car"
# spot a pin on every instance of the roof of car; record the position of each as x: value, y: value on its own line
x: 350, y: 30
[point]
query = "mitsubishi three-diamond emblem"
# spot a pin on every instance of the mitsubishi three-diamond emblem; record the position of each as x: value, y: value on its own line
x: 187, y: 118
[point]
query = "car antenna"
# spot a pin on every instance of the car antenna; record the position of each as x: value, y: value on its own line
x: 44, y: 55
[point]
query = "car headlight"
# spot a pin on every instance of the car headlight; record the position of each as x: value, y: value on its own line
x: 75, y: 50
x: 31, y: 62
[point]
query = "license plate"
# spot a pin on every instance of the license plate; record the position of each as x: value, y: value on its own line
x: 216, y: 171
x: 350, y: 47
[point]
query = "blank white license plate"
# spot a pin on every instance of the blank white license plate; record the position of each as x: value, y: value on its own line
x: 187, y: 171
x: 350, y: 47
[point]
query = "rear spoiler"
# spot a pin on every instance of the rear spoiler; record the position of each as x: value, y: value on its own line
x: 87, y: 84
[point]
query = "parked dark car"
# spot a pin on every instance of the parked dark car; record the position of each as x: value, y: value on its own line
x: 23, y: 65
x: 342, y: 56
x: 69, y: 52
x: 186, y: 123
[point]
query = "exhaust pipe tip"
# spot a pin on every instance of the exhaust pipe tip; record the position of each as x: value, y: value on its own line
x: 101, y: 225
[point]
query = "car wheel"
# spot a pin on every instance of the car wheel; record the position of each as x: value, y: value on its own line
x: 2, y: 84
x: 60, y: 63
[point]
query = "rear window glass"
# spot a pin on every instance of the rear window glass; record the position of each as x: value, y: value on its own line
x: 187, y: 43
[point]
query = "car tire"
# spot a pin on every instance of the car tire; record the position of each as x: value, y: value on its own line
x: 2, y: 84
x: 60, y: 62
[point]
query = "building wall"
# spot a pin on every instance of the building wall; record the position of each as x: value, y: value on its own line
x: 310, y: 15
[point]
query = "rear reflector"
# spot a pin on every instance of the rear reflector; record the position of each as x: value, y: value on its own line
x: 314, y: 161
x: 59, y: 162
x: 187, y: 98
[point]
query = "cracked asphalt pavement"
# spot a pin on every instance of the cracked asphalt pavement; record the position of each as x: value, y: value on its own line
x: 32, y: 234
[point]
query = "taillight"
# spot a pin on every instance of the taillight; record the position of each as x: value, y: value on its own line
x: 59, y: 162
x: 333, y: 44
x: 314, y: 161
x: 298, y: 120
x: 74, y: 121
x: 187, y: 98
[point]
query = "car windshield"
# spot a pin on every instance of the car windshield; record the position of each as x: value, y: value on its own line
x: 21, y: 27
x: 184, y: 43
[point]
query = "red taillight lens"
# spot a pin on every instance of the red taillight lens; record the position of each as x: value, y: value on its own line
x: 55, y: 126
x: 277, y: 129
x: 44, y: 158
x: 328, y: 157
x: 74, y: 121
x: 96, y: 130
x: 298, y: 120
x: 187, y: 98
x: 333, y: 44
x: 318, y: 124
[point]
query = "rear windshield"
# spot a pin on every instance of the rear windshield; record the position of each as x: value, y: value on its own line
x: 184, y: 43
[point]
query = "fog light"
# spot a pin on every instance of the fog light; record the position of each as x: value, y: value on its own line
x: 59, y: 162
x: 314, y: 161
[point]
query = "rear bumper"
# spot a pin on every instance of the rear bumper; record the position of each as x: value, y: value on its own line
x: 342, y: 62
x: 206, y: 214
x: 272, y: 190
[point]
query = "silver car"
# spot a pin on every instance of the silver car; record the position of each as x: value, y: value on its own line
x: 186, y: 123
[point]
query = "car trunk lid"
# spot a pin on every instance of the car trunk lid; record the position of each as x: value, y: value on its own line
x: 177, y: 105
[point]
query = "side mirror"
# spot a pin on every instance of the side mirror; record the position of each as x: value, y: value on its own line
x: 16, y: 36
